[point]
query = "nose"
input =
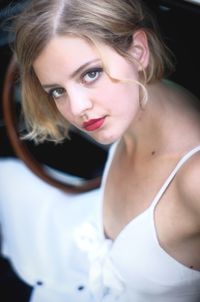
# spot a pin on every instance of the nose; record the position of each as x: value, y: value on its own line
x: 79, y: 101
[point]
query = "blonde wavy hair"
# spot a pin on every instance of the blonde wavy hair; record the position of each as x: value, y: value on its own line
x: 109, y: 22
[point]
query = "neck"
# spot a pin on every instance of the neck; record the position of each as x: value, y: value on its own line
x: 158, y: 129
x: 146, y: 135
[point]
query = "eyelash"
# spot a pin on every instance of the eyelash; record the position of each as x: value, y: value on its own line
x: 97, y: 71
x: 54, y: 90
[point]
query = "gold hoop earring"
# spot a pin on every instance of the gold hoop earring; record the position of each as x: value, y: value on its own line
x: 144, y: 99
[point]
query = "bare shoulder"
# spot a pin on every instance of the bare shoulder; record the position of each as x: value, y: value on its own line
x: 188, y: 186
x: 183, y: 97
x: 184, y: 92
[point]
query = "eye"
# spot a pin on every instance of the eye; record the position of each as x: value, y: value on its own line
x: 91, y: 76
x: 56, y: 93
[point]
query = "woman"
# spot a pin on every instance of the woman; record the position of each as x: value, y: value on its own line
x: 101, y: 66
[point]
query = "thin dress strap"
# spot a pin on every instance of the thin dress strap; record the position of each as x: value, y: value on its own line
x: 108, y: 163
x: 173, y: 173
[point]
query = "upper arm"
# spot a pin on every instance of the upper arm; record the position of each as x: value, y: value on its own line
x: 188, y: 187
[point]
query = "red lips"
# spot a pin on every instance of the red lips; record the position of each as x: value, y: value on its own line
x: 93, y: 124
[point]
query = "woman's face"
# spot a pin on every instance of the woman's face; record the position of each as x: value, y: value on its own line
x: 71, y: 71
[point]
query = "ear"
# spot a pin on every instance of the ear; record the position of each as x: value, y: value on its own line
x: 139, y: 49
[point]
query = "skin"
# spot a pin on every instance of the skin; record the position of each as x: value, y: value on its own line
x: 152, y: 138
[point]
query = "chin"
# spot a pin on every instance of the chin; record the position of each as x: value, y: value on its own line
x: 106, y: 139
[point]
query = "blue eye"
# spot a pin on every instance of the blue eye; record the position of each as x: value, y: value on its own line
x: 91, y: 75
x: 56, y: 93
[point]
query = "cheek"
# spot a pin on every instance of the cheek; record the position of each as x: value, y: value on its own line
x: 124, y: 97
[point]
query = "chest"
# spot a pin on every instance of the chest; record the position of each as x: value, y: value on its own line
x: 129, y: 191
x: 129, y: 194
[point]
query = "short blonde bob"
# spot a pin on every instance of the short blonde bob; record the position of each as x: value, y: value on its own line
x: 110, y: 22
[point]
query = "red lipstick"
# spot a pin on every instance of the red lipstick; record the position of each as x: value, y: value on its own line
x: 93, y: 124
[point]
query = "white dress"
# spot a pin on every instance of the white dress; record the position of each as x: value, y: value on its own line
x: 56, y: 243
x: 39, y: 225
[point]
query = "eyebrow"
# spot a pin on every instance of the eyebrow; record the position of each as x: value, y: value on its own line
x: 74, y: 74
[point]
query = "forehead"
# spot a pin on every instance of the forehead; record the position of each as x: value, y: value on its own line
x: 64, y: 49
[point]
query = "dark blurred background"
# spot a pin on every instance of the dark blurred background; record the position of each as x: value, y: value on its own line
x: 180, y: 23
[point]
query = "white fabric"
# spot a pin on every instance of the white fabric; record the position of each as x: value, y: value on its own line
x: 135, y: 267
x: 58, y: 239
x: 38, y: 225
